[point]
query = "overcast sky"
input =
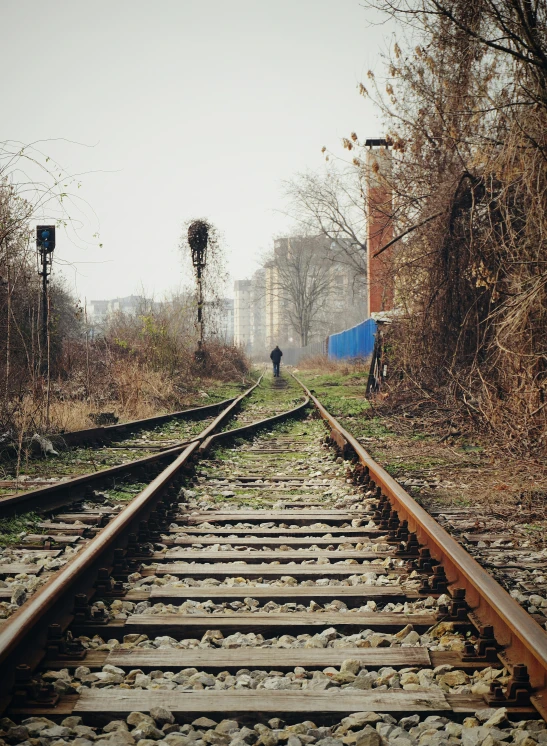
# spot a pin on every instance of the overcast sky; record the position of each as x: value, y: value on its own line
x: 193, y: 108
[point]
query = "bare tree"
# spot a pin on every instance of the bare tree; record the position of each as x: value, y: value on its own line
x: 333, y: 203
x: 464, y: 99
x: 301, y: 280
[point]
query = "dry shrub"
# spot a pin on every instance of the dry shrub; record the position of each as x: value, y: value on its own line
x: 468, y: 124
x: 324, y: 364
x: 142, y: 366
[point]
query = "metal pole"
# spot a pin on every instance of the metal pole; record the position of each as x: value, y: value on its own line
x: 45, y: 313
x: 200, y: 304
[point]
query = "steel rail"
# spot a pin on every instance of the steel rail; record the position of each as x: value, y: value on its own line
x: 44, y: 499
x: 23, y: 637
x: 75, y: 437
x: 206, y: 444
x: 525, y: 642
x: 53, y: 496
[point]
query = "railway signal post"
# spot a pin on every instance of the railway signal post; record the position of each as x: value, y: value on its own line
x: 198, y: 237
x: 45, y: 244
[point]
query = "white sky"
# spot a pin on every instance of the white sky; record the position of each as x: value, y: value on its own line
x: 194, y: 108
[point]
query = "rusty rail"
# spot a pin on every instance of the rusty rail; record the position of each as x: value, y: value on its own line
x: 524, y: 641
x: 208, y: 442
x: 23, y: 637
x: 53, y: 496
x: 102, y: 433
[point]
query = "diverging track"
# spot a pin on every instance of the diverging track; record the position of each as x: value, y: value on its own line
x: 271, y: 595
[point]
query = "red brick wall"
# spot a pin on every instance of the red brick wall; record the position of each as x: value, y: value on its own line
x: 379, y: 230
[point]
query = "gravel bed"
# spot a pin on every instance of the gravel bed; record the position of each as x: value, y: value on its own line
x: 222, y: 547
x: 367, y: 578
x: 488, y: 727
x: 527, y: 585
x: 441, y: 637
x: 120, y: 609
x: 211, y: 526
x: 23, y: 585
x: 350, y: 675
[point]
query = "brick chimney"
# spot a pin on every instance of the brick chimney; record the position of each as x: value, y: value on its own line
x: 379, y: 226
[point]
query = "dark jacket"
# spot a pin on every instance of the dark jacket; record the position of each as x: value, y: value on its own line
x: 275, y: 355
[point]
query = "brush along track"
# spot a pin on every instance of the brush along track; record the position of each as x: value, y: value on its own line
x: 269, y: 585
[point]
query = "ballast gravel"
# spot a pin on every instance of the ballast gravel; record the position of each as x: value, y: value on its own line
x: 488, y: 727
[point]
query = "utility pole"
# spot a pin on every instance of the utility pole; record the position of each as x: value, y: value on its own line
x: 45, y: 244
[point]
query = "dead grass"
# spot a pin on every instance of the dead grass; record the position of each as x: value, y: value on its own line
x: 322, y: 364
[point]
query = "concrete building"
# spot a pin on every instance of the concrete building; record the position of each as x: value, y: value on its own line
x: 242, y: 314
x: 260, y: 306
x: 258, y: 313
x: 99, y: 310
x: 225, y: 323
x: 276, y: 324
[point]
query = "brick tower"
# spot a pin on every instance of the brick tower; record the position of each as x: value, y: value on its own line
x: 379, y: 226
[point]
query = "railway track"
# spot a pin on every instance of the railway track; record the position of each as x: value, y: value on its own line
x: 99, y: 455
x: 268, y: 587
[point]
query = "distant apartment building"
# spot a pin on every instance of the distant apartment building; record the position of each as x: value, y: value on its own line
x: 99, y: 310
x: 250, y: 313
x: 260, y: 304
x: 242, y: 313
x: 225, y: 323
x: 258, y: 312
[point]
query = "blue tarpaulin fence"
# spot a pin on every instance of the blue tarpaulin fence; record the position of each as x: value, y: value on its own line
x: 355, y: 342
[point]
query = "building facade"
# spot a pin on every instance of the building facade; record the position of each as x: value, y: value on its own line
x: 242, y: 314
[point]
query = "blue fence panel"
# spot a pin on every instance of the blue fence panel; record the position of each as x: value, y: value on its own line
x: 355, y: 342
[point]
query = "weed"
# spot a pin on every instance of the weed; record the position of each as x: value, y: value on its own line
x: 12, y: 528
x: 126, y: 492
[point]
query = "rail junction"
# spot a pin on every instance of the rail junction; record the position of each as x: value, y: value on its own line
x: 270, y: 573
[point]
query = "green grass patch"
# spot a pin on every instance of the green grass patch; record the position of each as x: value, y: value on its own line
x: 369, y: 427
x: 126, y: 492
x: 12, y: 528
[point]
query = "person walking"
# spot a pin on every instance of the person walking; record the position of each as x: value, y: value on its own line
x: 275, y: 356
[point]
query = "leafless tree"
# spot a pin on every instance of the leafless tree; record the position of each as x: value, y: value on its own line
x: 465, y: 106
x: 301, y: 280
x: 333, y: 203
